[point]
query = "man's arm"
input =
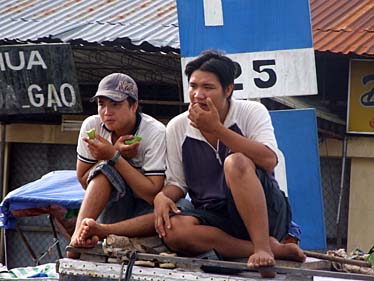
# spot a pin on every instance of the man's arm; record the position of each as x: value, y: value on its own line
x: 164, y: 203
x: 209, y: 123
x: 145, y: 187
x: 259, y: 153
x: 83, y: 170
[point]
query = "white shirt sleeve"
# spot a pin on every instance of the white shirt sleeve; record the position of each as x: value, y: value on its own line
x: 155, y: 153
x: 260, y: 127
x: 83, y: 152
x: 174, y: 166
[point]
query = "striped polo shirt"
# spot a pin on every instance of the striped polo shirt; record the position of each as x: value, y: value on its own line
x: 195, y: 166
x: 150, y: 159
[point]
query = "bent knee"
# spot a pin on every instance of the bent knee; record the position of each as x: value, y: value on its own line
x: 177, y: 236
x: 237, y: 164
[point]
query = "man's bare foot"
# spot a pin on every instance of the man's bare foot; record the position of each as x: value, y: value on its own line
x: 90, y: 229
x: 287, y: 251
x: 261, y: 258
x: 88, y: 243
x: 78, y: 242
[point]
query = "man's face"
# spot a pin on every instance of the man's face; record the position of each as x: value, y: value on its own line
x: 204, y: 84
x: 116, y: 115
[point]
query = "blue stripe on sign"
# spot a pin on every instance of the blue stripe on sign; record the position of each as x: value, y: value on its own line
x: 249, y: 26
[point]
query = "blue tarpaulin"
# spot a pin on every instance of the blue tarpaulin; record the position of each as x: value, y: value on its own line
x: 55, y: 188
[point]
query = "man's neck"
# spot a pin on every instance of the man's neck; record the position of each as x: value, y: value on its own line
x: 127, y: 130
x: 224, y: 113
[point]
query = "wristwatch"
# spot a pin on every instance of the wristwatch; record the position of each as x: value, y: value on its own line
x: 115, y: 158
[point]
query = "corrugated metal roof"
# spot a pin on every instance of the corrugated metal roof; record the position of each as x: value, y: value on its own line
x: 343, y: 26
x: 340, y: 26
x: 154, y: 21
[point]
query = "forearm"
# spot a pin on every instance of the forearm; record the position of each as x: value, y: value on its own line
x: 83, y: 171
x: 173, y: 192
x: 259, y: 153
x: 143, y: 186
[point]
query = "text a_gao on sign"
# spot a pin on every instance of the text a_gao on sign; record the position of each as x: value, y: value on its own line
x: 38, y: 79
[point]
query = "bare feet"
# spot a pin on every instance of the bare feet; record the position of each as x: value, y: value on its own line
x: 81, y: 241
x: 261, y: 258
x: 287, y: 251
x: 90, y: 228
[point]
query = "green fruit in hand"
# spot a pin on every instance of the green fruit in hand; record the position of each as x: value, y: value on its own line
x: 91, y: 133
x: 133, y: 140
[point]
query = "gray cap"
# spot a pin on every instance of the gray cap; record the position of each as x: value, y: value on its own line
x: 117, y: 87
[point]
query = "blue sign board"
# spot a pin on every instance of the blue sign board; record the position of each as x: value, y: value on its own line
x: 248, y: 26
x: 271, y: 40
x: 296, y: 133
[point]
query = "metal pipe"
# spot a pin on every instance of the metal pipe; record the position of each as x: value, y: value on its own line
x: 3, y: 253
x: 2, y: 159
x: 341, y: 193
x: 55, y: 237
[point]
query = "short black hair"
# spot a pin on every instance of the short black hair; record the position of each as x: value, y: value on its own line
x: 216, y: 62
x: 131, y: 101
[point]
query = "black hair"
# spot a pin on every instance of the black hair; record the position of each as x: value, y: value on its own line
x: 217, y: 63
x: 131, y: 102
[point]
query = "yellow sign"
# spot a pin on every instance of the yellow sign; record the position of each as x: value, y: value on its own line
x: 361, y: 97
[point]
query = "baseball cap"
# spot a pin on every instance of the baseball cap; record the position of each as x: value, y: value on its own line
x: 117, y: 87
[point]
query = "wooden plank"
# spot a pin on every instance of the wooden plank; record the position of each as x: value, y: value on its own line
x: 77, y: 270
x: 244, y: 267
x: 337, y: 259
x: 193, y: 263
x: 37, y: 133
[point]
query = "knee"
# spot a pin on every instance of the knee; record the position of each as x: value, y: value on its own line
x: 100, y: 182
x: 237, y: 164
x: 176, y: 238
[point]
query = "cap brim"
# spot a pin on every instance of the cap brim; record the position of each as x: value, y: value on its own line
x: 110, y: 95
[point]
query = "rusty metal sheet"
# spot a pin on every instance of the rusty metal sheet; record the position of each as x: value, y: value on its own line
x: 343, y: 26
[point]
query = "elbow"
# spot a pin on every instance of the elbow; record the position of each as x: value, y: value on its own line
x: 270, y: 163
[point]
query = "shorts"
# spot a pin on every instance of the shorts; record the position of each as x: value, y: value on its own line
x: 122, y: 204
x: 225, y: 216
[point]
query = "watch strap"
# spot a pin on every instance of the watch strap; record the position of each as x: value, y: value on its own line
x: 114, y: 159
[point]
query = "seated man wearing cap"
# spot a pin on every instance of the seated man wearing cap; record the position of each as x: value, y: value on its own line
x: 120, y: 179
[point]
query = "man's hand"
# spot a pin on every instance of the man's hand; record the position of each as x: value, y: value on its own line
x: 207, y: 120
x: 127, y: 150
x: 100, y: 148
x: 162, y: 207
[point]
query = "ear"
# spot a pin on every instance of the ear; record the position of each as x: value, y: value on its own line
x: 229, y: 90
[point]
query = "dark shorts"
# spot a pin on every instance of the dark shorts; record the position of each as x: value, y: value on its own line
x: 225, y: 216
x: 122, y: 204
